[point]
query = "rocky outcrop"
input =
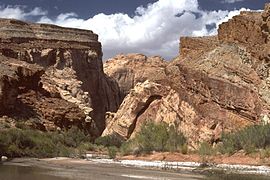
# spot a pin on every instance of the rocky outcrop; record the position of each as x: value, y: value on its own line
x: 250, y: 30
x: 15, y: 74
x: 53, y: 77
x: 130, y: 69
x: 135, y: 104
x: 194, y: 47
x: 73, y: 72
x: 217, y: 84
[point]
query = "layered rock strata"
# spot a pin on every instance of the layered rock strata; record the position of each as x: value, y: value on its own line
x: 217, y: 84
x: 73, y: 71
x: 130, y: 69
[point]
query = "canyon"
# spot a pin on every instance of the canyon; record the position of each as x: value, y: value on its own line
x: 53, y: 78
x: 217, y: 84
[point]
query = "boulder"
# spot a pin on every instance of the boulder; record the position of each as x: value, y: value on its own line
x: 4, y: 158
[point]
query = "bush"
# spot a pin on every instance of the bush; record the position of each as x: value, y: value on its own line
x: 206, y: 149
x: 184, y: 149
x: 176, y: 141
x: 32, y: 143
x: 154, y: 137
x: 249, y: 139
x: 130, y: 147
x: 265, y: 153
x: 74, y: 137
x: 112, y: 152
x: 20, y: 125
x: 107, y: 141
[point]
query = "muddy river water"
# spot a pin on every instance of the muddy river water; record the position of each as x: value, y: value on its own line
x: 95, y: 171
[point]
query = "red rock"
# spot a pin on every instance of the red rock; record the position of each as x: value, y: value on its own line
x: 72, y: 61
x: 217, y: 84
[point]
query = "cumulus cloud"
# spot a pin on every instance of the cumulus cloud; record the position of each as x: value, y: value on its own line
x: 154, y: 30
x: 20, y: 12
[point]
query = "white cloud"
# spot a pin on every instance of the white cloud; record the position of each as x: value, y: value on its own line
x: 20, y: 12
x: 154, y: 30
x: 231, y: 1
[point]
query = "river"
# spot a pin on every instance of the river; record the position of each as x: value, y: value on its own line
x: 96, y: 171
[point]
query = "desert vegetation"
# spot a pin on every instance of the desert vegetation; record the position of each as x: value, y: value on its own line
x: 251, y: 139
x: 153, y: 137
x: 158, y: 137
x: 17, y: 142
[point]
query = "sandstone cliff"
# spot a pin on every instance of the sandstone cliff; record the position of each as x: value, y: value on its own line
x: 130, y: 69
x: 72, y: 88
x: 52, y: 78
x: 216, y: 84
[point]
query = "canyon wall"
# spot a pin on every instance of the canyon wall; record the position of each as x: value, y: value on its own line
x: 52, y: 78
x: 217, y: 84
x: 72, y: 87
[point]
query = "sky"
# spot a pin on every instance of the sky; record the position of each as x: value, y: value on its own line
x: 151, y: 27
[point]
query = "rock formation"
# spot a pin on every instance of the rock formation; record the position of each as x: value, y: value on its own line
x: 73, y: 82
x: 52, y: 78
x: 217, y: 84
x: 130, y: 69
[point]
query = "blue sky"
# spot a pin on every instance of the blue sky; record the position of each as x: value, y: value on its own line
x: 151, y: 27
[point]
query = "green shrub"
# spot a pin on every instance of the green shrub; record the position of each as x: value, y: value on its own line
x: 74, y: 137
x: 112, y: 152
x: 206, y: 149
x: 130, y: 147
x: 176, y: 141
x: 33, y: 143
x: 20, y: 125
x: 154, y: 137
x: 265, y: 153
x: 126, y: 148
x: 249, y: 139
x: 184, y: 149
x: 107, y: 141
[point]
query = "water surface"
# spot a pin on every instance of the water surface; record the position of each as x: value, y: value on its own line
x: 10, y: 172
x: 107, y: 172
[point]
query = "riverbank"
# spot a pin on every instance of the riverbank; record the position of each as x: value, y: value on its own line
x: 65, y: 166
x: 237, y: 163
x: 82, y: 169
x: 239, y: 158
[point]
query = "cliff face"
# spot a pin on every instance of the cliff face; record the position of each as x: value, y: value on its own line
x: 216, y: 84
x: 73, y: 82
x: 130, y: 69
x: 52, y: 78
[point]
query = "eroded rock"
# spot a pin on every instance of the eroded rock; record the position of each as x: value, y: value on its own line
x: 74, y: 77
x: 217, y: 84
x: 128, y: 70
